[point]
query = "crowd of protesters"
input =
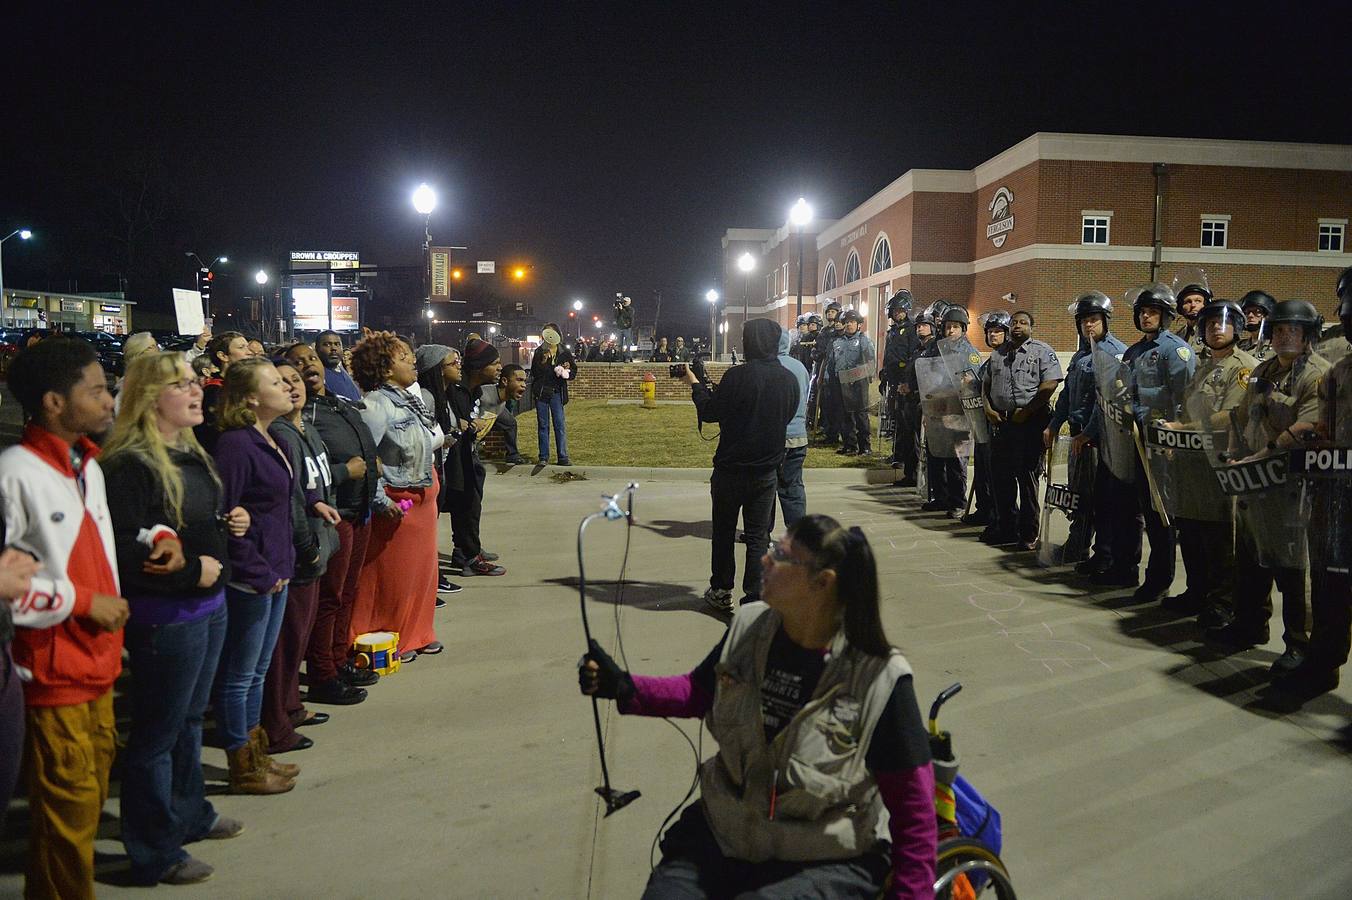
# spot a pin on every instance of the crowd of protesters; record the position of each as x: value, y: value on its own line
x: 233, y: 516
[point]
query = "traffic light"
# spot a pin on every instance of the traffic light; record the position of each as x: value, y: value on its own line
x: 204, y: 277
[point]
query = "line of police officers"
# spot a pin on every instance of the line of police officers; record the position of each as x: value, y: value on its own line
x: 1224, y: 431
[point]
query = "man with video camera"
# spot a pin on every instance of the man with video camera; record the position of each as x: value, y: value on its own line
x: 753, y: 405
x: 624, y: 324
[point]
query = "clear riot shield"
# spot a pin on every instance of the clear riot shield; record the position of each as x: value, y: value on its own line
x: 1070, y: 482
x: 1117, y: 444
x: 1326, y: 468
x: 962, y: 362
x: 1181, y: 455
x: 946, y: 433
x: 1272, y: 507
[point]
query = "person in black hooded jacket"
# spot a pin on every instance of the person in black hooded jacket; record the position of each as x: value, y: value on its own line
x: 753, y: 405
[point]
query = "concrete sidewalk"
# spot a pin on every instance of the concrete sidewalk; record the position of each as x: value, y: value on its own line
x: 1125, y: 759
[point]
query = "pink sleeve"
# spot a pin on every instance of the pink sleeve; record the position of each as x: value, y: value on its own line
x: 909, y: 798
x: 667, y: 695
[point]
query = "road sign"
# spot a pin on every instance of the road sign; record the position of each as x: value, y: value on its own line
x: 488, y: 267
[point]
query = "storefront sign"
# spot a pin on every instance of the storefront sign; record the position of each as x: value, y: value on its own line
x: 75, y: 306
x: 488, y: 267
x: 854, y: 236
x: 110, y: 308
x: 1002, y: 216
x: 24, y: 302
x: 344, y: 313
x: 329, y: 256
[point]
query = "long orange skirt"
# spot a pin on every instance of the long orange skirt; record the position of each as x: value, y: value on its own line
x: 397, y: 590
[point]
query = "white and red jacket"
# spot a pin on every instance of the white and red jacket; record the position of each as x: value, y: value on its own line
x: 62, y: 657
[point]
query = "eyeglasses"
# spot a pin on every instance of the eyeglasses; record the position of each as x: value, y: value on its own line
x: 452, y: 363
x: 185, y: 385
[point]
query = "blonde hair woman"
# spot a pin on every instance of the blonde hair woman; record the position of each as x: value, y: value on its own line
x: 162, y: 485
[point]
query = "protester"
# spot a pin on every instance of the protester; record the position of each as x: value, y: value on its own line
x: 162, y: 483
x: 257, y: 349
x: 313, y: 521
x: 753, y: 405
x: 1020, y: 379
x: 465, y: 471
x: 257, y: 475
x: 821, y: 603
x: 329, y: 346
x: 353, y: 469
x: 434, y: 362
x: 397, y: 587
x: 16, y: 579
x: 552, y: 367
x: 222, y: 350
x: 501, y: 400
x: 680, y: 352
x: 662, y: 353
x: 789, y: 475
x: 68, y: 636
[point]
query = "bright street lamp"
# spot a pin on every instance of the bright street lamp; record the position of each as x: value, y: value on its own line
x: 424, y: 199
x: 712, y: 297
x: 261, y: 277
x: 430, y: 314
x: 577, y: 305
x: 746, y: 262
x: 800, y: 216
x: 24, y: 234
x: 492, y: 329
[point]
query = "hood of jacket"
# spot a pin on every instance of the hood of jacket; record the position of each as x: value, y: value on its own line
x: 760, y: 338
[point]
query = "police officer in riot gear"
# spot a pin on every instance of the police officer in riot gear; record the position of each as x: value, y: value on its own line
x: 1280, y: 411
x: 1257, y: 339
x: 898, y: 385
x: 1191, y: 298
x: 1205, y: 529
x: 1161, y: 365
x: 852, y: 360
x: 808, y: 349
x: 1076, y: 406
x: 995, y: 331
x: 1022, y: 375
x: 829, y: 405
x: 946, y: 471
x: 1330, y: 533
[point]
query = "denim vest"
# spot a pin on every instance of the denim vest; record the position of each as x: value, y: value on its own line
x: 826, y: 803
x: 405, y: 444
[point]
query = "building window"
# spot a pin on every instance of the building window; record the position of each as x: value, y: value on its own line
x: 1094, y: 228
x: 852, y: 267
x: 829, y: 277
x: 770, y: 284
x: 1331, y: 235
x: 882, y: 257
x: 785, y: 278
x: 1215, y: 233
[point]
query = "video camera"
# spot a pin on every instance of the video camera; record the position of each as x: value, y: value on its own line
x: 696, y: 365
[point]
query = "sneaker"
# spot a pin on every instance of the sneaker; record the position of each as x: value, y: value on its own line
x: 719, y: 600
x: 408, y: 656
x: 189, y: 871
x: 491, y: 557
x: 225, y: 828
x: 355, y: 677
x: 447, y: 587
x: 431, y: 649
x: 439, y: 604
x: 565, y: 461
x: 1287, y: 663
x: 480, y: 566
x: 517, y: 460
x: 336, y: 692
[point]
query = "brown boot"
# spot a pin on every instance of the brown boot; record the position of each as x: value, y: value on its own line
x: 247, y: 777
x: 258, y: 741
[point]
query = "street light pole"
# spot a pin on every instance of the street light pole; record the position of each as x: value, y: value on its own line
x: 425, y: 201
x: 800, y: 215
x: 712, y: 297
x: 24, y: 234
x: 746, y: 262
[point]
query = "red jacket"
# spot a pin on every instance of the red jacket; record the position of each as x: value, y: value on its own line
x: 62, y: 657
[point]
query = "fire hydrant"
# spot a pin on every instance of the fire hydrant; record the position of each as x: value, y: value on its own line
x: 649, y: 389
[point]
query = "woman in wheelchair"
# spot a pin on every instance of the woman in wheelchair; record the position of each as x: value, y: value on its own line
x: 822, y: 784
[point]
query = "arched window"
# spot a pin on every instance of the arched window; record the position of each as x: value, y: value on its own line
x: 882, y: 256
x: 852, y: 267
x: 829, y: 276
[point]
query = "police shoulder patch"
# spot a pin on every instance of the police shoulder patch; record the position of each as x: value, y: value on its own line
x: 1243, y: 376
x: 1184, y: 353
x: 974, y: 358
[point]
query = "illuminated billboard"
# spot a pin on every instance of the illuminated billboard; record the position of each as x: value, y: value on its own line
x: 312, y: 308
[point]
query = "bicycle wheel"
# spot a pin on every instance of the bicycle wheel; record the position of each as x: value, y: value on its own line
x: 982, y: 873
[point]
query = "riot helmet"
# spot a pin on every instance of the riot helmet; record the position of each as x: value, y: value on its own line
x: 802, y: 320
x: 937, y: 309
x: 998, y: 320
x: 1227, y: 312
x: 1298, y: 312
x: 1191, y: 282
x: 852, y: 315
x: 900, y: 300
x: 834, y: 305
x: 814, y: 319
x: 956, y: 314
x: 1157, y: 295
x: 1345, y: 301
x: 1261, y: 299
x: 1091, y: 302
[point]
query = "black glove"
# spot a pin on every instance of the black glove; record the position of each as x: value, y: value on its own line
x: 611, y: 682
x: 882, y: 387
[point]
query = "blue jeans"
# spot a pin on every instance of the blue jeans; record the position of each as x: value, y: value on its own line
x: 789, y: 485
x: 543, y: 411
x: 163, y: 802
x: 255, y: 621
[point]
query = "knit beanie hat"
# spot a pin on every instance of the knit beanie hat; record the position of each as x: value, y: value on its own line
x: 479, y: 354
x: 429, y: 356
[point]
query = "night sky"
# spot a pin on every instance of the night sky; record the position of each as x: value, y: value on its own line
x: 607, y: 145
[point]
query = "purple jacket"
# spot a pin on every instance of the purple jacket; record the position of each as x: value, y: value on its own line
x: 258, y: 478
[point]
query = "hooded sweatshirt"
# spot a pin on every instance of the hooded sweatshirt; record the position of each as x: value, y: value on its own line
x: 753, y: 404
x: 796, y: 436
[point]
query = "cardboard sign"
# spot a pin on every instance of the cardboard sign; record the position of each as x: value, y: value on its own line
x: 188, y: 310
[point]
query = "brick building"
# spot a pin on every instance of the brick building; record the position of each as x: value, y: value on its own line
x: 1058, y: 214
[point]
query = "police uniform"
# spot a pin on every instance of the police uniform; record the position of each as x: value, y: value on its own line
x: 829, y: 404
x: 1259, y: 350
x: 1013, y: 376
x: 1077, y: 405
x: 851, y: 356
x: 1259, y: 420
x: 945, y: 476
x: 904, y: 409
x: 1161, y: 367
x: 1217, y: 387
x: 1191, y: 335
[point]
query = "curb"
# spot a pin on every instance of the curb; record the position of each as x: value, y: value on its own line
x: 639, y: 474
